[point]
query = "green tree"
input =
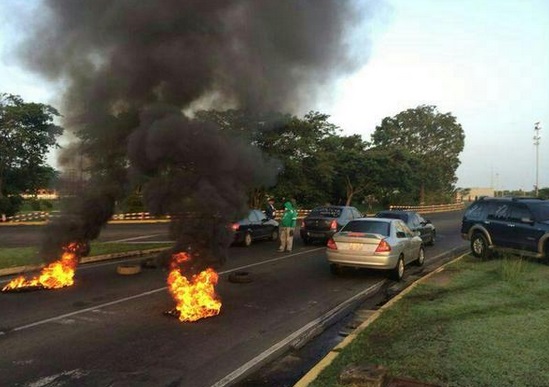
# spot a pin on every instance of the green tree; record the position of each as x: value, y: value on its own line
x: 27, y: 132
x: 435, y: 138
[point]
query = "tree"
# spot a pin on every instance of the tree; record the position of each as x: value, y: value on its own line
x: 27, y: 132
x: 437, y: 139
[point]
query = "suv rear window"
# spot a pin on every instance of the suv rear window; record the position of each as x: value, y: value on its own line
x: 329, y: 212
x: 540, y: 211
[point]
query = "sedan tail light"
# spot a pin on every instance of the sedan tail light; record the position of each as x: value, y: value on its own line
x: 333, y: 225
x: 383, y: 247
x: 235, y: 226
x: 331, y: 244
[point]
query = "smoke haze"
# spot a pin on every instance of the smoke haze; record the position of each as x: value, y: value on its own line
x: 132, y: 67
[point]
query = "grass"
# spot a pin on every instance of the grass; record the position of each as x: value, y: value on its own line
x: 23, y: 256
x: 477, y: 323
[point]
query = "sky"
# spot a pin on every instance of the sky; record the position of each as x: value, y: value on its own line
x: 484, y: 61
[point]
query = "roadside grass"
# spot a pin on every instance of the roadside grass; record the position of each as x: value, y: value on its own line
x: 476, y: 323
x: 23, y: 256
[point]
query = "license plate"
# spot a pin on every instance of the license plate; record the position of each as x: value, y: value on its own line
x: 316, y: 235
x: 355, y: 246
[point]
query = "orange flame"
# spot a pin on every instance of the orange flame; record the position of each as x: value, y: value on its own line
x: 195, y: 298
x: 56, y: 275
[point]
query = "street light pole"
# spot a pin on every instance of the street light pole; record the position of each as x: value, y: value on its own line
x: 537, y: 137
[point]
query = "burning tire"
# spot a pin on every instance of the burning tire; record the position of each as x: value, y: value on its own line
x: 128, y: 269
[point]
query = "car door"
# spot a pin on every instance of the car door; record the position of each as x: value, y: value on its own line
x: 497, y: 223
x: 522, y: 232
x: 414, y: 224
x: 404, y: 235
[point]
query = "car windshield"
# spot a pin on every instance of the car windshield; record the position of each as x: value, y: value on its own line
x: 371, y: 227
x: 329, y: 212
x: 540, y: 211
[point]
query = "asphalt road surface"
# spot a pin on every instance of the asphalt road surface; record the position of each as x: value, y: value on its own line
x: 111, y: 330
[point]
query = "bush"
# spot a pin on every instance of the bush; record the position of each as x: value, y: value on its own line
x: 10, y: 205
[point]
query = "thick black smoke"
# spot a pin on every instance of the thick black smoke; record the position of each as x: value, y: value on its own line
x: 131, y: 68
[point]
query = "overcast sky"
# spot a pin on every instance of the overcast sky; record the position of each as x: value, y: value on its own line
x: 485, y: 61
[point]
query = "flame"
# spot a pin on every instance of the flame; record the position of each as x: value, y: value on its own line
x: 195, y: 298
x: 56, y: 275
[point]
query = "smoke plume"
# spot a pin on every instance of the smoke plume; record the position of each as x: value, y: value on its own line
x: 131, y: 68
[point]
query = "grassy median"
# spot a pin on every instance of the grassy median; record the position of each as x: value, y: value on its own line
x: 476, y: 323
x: 23, y: 256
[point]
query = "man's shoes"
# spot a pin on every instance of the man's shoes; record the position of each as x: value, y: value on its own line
x: 280, y: 250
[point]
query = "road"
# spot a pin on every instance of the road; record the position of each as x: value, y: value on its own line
x: 111, y: 330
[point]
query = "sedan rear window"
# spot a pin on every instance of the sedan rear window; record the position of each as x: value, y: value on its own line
x: 329, y: 212
x: 381, y: 228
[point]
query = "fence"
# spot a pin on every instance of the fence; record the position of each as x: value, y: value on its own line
x: 431, y: 209
x: 44, y: 216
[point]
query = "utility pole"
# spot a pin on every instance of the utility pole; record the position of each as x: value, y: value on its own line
x: 537, y: 137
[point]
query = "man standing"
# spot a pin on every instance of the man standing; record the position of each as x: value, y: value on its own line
x: 270, y: 211
x: 287, y: 226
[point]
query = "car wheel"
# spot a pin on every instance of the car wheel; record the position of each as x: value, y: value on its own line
x: 247, y: 239
x: 479, y: 245
x: 274, y: 235
x: 398, y: 272
x: 335, y: 269
x: 420, y: 258
x: 433, y: 239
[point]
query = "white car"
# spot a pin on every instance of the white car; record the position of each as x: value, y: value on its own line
x: 375, y: 243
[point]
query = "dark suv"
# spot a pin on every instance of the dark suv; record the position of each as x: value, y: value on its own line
x: 515, y: 225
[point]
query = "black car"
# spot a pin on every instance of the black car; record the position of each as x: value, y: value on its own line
x: 512, y: 224
x: 415, y: 222
x: 254, y: 227
x: 323, y: 222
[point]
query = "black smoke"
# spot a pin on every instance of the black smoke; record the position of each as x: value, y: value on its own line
x: 131, y: 68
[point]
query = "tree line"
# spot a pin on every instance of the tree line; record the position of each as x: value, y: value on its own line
x: 410, y: 158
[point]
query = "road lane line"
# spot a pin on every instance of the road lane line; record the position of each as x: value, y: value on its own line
x: 134, y: 238
x: 263, y: 356
x: 148, y: 293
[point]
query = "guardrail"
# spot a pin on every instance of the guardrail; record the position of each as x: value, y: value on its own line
x: 431, y: 208
x: 39, y: 216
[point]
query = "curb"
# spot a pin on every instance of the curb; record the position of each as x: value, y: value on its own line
x: 128, y: 221
x: 83, y: 260
x: 313, y: 373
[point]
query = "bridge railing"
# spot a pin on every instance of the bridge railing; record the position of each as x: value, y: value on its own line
x: 431, y: 208
x: 39, y: 216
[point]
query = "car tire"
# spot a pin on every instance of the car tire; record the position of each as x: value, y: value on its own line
x: 240, y: 277
x: 398, y: 272
x: 421, y: 257
x: 433, y: 239
x: 247, y: 242
x: 274, y: 235
x: 335, y: 269
x: 479, y: 246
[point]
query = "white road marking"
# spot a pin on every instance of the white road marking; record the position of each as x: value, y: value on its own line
x: 134, y: 238
x: 289, y: 339
x: 150, y: 292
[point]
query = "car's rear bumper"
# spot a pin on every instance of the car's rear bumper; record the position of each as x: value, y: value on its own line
x: 376, y: 261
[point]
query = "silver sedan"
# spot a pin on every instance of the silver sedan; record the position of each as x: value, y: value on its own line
x: 375, y: 243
